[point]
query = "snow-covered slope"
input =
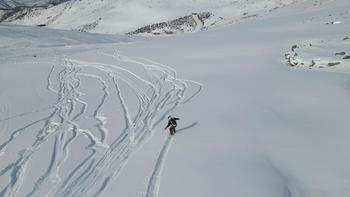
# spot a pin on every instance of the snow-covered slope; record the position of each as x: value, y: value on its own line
x: 83, y: 115
x: 120, y: 16
x: 11, y: 4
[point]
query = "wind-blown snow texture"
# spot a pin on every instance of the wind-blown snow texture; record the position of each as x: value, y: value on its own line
x: 84, y: 114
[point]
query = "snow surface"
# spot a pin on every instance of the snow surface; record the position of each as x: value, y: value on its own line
x: 84, y: 114
x: 120, y: 16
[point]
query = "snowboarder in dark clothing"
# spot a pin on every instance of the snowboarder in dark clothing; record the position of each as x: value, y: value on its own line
x: 172, y: 124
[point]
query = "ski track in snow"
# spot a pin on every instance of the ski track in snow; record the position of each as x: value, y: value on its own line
x: 154, y: 181
x: 158, y: 93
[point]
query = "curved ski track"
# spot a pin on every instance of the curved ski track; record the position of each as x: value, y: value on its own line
x: 158, y: 91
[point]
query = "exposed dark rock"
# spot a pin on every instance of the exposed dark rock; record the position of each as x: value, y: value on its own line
x: 89, y: 27
x: 313, y: 63
x: 20, y: 11
x: 340, y: 53
x: 13, y: 4
x: 249, y: 16
x: 177, y: 25
x: 5, y: 6
x: 333, y: 63
x: 294, y: 47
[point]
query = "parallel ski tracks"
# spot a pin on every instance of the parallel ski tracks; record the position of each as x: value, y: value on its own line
x: 158, y: 93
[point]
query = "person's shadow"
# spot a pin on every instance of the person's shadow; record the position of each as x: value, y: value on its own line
x: 187, y: 127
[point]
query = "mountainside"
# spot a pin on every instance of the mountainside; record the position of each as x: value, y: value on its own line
x: 132, y: 16
x: 13, y: 4
x: 263, y: 105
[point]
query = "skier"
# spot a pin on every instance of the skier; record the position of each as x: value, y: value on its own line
x: 172, y: 124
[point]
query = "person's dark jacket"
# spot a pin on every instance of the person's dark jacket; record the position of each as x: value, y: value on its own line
x: 172, y: 122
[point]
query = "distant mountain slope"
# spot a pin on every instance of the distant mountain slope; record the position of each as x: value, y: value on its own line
x: 121, y: 16
x: 4, y: 5
x: 11, y: 4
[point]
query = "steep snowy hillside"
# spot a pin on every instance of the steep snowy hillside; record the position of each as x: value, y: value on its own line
x: 119, y: 16
x: 11, y: 4
x: 83, y: 115
x: 5, y: 5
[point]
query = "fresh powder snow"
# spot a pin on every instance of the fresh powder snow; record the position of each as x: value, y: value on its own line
x: 263, y: 101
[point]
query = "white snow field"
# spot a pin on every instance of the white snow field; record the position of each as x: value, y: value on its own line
x: 123, y: 16
x: 83, y: 115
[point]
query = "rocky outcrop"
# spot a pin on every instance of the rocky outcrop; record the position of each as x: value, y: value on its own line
x: 9, y: 13
x: 19, y: 13
x: 189, y: 23
x: 12, y: 4
x: 89, y: 27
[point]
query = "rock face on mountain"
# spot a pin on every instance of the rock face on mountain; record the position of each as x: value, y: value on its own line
x: 12, y: 4
x: 4, y: 5
x: 11, y: 11
x: 189, y: 23
x: 18, y: 13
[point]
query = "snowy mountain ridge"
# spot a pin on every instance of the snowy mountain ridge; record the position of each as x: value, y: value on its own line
x: 110, y: 16
x: 12, y: 4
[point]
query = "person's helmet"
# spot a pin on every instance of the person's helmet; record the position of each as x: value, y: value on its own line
x: 169, y: 117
